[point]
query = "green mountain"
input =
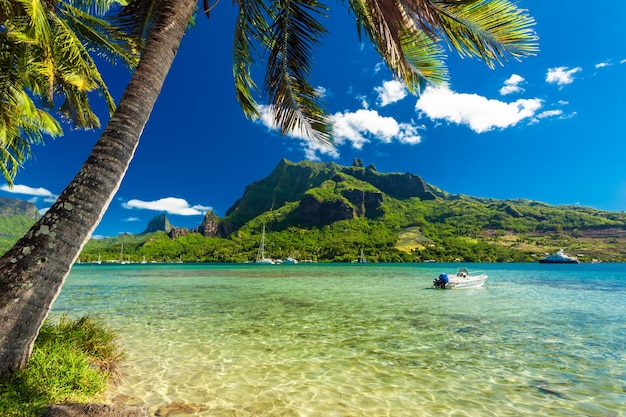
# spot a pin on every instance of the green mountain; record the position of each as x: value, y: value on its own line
x: 17, y: 207
x: 328, y: 212
x: 326, y: 193
x: 16, y: 217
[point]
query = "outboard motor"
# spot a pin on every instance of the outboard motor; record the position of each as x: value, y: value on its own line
x: 442, y: 281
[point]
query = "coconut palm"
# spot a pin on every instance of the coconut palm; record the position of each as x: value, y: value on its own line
x: 45, y: 56
x: 406, y: 33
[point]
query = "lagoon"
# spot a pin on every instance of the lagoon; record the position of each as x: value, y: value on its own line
x: 363, y: 339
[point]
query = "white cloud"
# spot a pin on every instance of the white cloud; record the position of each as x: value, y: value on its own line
x: 132, y: 219
x: 310, y: 146
x: 603, y: 64
x: 322, y: 91
x: 549, y: 113
x: 561, y: 75
x: 37, y: 194
x: 512, y: 85
x: 479, y: 113
x: 358, y: 128
x: 364, y: 103
x: 313, y: 149
x: 171, y: 205
x: 390, y: 92
x: 24, y: 189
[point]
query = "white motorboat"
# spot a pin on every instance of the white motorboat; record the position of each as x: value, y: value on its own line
x: 462, y: 279
x: 559, y: 257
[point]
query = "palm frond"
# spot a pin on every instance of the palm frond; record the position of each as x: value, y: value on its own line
x: 100, y: 37
x: 493, y: 30
x: 137, y: 17
x: 96, y: 7
x: 296, y: 105
x: 46, y: 54
x: 37, y: 13
x: 12, y: 154
x: 251, y: 29
x: 24, y: 125
x: 75, y: 73
x: 425, y: 58
x: 412, y: 54
x: 383, y: 23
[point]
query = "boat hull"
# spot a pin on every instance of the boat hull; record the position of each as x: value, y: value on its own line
x: 471, y: 282
x: 460, y: 281
x: 548, y: 261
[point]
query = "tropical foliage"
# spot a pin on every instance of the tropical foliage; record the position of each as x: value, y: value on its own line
x: 47, y: 64
x: 406, y: 228
x: 462, y: 238
x: 73, y: 361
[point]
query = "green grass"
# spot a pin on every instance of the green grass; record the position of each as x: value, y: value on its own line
x: 72, y: 360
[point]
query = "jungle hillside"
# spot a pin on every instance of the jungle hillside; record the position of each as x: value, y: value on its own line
x: 324, y: 212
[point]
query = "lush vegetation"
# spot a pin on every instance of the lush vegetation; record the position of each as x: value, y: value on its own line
x: 408, y: 221
x: 73, y: 360
x: 11, y: 229
x: 410, y: 231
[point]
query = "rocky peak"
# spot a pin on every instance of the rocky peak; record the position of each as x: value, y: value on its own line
x: 159, y: 223
x: 16, y: 207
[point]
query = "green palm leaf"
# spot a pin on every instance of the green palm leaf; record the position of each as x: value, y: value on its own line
x: 46, y: 51
x: 490, y: 29
x: 296, y: 105
x: 251, y: 29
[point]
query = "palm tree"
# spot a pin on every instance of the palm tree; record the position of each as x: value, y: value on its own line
x: 406, y: 33
x: 35, y: 71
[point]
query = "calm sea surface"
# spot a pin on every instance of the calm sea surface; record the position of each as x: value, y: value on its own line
x: 363, y: 340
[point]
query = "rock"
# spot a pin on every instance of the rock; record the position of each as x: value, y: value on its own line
x: 320, y: 213
x: 158, y: 223
x: 177, y: 408
x: 209, y: 226
x: 368, y: 204
x: 16, y: 207
x: 176, y: 232
x: 95, y: 410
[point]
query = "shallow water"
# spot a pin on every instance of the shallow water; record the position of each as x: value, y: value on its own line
x: 364, y: 340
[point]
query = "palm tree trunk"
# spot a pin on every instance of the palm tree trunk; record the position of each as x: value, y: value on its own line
x: 34, y: 270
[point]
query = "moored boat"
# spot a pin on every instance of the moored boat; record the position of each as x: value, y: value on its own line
x: 462, y: 279
x: 559, y: 257
x: 260, y: 258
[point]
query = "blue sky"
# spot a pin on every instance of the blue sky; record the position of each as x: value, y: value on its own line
x: 549, y: 128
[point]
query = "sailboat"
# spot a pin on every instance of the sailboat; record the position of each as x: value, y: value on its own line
x: 362, y: 259
x: 260, y: 257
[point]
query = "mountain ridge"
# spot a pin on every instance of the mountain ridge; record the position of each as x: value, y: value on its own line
x: 416, y: 217
x: 323, y: 211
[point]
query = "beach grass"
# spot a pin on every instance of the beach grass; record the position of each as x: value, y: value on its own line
x: 72, y: 361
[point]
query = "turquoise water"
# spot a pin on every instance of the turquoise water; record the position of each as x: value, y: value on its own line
x: 363, y: 340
